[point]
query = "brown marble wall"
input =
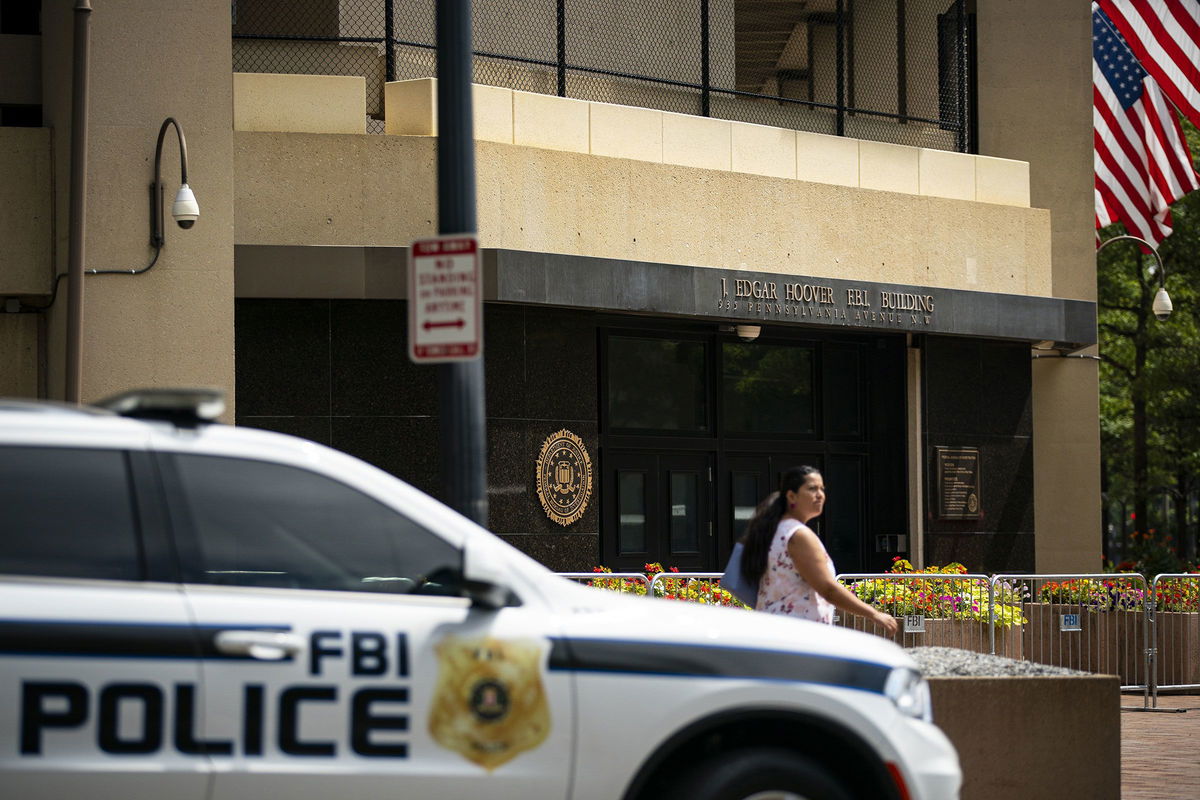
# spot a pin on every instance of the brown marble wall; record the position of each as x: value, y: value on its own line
x: 337, y: 372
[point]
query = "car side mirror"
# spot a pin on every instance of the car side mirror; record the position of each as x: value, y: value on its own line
x: 485, y: 578
x: 488, y: 596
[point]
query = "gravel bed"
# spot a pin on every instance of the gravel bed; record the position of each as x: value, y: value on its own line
x: 937, y: 662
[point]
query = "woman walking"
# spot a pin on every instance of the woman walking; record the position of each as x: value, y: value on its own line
x: 795, y: 574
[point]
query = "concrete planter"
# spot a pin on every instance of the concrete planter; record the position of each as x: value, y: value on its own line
x: 965, y: 634
x: 1034, y: 738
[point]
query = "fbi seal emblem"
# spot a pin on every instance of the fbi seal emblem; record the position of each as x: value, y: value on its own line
x: 564, y: 477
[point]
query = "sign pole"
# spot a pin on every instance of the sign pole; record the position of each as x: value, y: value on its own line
x: 461, y: 387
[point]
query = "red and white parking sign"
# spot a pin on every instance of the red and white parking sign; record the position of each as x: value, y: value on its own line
x: 445, y: 302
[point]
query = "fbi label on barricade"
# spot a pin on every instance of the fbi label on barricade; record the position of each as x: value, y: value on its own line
x: 1069, y: 622
x: 914, y: 623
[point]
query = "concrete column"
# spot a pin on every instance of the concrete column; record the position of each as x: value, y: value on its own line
x: 174, y: 324
x: 1035, y: 90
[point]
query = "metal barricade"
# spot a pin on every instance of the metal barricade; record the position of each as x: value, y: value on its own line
x: 627, y: 582
x: 1175, y: 621
x: 932, y: 609
x: 1093, y: 622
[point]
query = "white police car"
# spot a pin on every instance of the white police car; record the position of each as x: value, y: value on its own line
x: 190, y: 610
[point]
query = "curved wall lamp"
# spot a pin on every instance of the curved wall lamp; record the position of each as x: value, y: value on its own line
x: 1161, y: 306
x: 185, y: 210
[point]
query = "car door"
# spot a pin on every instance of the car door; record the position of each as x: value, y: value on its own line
x: 96, y: 661
x: 339, y: 656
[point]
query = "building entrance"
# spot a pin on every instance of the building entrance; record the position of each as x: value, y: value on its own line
x: 696, y: 429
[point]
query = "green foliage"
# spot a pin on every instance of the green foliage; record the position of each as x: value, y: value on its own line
x: 1149, y: 554
x: 1152, y: 365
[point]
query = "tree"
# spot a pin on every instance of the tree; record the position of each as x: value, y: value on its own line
x: 1150, y: 376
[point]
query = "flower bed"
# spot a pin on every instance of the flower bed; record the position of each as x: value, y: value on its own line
x: 954, y: 609
x: 690, y: 590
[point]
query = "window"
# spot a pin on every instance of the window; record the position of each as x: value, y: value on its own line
x: 631, y: 502
x: 263, y: 524
x: 68, y: 513
x: 657, y: 384
x: 21, y: 17
x: 768, y: 389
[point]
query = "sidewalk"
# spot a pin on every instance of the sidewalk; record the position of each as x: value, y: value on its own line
x: 1160, y: 752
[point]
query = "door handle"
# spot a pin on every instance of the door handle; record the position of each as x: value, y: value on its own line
x: 263, y: 645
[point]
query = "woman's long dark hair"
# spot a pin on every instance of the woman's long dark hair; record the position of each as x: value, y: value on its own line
x: 760, y: 530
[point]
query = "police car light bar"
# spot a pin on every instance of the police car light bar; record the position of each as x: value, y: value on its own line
x: 182, y: 406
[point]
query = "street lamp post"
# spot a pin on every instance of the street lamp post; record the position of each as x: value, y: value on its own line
x: 1161, y: 306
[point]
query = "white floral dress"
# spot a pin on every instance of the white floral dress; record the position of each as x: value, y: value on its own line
x: 782, y: 590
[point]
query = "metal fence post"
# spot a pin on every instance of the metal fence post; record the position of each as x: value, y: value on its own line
x: 705, y: 65
x: 389, y: 35
x: 841, y: 68
x: 992, y: 613
x: 960, y: 47
x: 1151, y: 655
x: 561, y: 12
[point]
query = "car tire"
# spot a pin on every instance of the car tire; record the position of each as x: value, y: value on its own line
x: 760, y: 774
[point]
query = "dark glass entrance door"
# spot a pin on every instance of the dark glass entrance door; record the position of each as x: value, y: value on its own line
x: 744, y: 480
x: 676, y: 402
x: 660, y: 511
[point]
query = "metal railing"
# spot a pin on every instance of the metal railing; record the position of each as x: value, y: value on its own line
x: 1146, y: 633
x: 1175, y: 623
x: 932, y: 609
x: 872, y: 69
x: 1093, y: 622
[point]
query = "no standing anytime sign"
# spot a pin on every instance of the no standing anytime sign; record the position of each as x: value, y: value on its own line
x: 445, y: 304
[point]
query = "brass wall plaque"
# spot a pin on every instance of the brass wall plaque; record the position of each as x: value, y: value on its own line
x: 958, y: 490
x: 564, y: 477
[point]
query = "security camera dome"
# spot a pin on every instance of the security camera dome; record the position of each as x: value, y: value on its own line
x: 185, y: 209
x: 1161, y: 306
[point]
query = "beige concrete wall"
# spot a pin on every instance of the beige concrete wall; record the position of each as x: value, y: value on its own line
x: 174, y: 324
x: 556, y: 123
x: 1035, y: 94
x: 26, y: 217
x: 1038, y: 738
x: 308, y: 103
x: 18, y: 355
x: 342, y: 191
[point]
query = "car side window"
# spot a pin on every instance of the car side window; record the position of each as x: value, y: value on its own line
x: 257, y: 523
x: 67, y: 513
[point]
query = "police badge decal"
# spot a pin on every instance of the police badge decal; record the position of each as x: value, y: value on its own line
x: 489, y: 705
x: 564, y: 477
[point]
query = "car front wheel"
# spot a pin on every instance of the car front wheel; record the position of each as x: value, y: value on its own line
x: 760, y: 774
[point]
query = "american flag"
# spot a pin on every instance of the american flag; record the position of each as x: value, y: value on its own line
x: 1142, y: 160
x: 1164, y: 35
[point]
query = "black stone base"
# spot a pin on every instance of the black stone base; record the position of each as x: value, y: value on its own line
x: 562, y: 552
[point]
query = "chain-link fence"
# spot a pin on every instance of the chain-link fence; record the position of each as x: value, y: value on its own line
x: 884, y: 70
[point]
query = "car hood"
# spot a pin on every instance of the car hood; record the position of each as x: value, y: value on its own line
x: 594, y: 615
